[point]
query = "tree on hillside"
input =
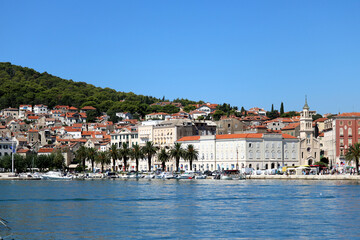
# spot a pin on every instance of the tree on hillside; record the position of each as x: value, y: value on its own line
x: 217, y: 115
x: 282, y: 109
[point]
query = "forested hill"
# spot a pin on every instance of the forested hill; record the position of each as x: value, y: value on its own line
x: 22, y: 85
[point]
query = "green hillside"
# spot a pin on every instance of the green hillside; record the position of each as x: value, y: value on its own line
x: 22, y: 85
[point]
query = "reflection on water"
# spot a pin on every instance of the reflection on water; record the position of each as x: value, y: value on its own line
x: 186, y: 209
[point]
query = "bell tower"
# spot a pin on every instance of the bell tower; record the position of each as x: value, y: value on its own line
x: 309, y: 145
x: 306, y: 128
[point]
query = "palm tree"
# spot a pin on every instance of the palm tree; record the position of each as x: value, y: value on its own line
x: 125, y: 154
x: 103, y: 158
x: 81, y: 155
x: 137, y: 153
x: 163, y: 157
x: 191, y: 154
x: 91, y: 153
x: 177, y: 152
x: 149, y: 150
x: 353, y: 153
x: 114, y: 152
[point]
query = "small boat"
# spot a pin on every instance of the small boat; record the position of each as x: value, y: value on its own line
x: 186, y: 175
x: 200, y: 177
x: 167, y: 175
x: 149, y: 176
x: 51, y: 175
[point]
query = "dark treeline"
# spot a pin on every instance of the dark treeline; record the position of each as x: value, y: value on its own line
x: 41, y: 162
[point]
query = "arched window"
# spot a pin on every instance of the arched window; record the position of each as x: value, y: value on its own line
x: 250, y: 154
x: 273, y: 154
x: 257, y: 154
x: 286, y: 154
x: 293, y: 155
x: 266, y: 154
x: 341, y: 132
x: 279, y: 154
x: 350, y: 132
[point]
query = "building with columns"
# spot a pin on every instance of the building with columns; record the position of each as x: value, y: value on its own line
x: 236, y: 151
x: 309, y: 145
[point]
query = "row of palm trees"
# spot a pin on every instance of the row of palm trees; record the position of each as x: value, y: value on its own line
x: 124, y: 153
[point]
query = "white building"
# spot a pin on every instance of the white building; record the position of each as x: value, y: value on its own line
x: 236, y: 151
x: 146, y: 131
x: 40, y: 109
x: 6, y: 146
x: 23, y: 109
x: 329, y: 141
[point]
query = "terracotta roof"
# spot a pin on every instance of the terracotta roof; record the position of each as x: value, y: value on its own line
x: 321, y: 120
x: 288, y: 136
x: 242, y: 135
x: 33, y: 117
x: 73, y: 108
x: 160, y: 113
x: 351, y: 114
x: 88, y: 108
x: 291, y: 126
x: 189, y: 138
x: 45, y: 150
x: 321, y: 134
x: 33, y: 130
x: 22, y: 150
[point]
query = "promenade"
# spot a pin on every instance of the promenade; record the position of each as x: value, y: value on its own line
x: 307, y: 177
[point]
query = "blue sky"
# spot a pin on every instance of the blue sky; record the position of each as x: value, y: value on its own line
x: 246, y: 53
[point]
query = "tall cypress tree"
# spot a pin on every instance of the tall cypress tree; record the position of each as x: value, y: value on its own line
x: 282, y: 109
x: 272, y: 108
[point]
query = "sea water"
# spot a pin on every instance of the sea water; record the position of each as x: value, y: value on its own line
x: 180, y: 209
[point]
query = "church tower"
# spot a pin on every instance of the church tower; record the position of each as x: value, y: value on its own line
x: 309, y: 145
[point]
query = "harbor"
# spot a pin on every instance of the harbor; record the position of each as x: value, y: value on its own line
x: 179, y: 209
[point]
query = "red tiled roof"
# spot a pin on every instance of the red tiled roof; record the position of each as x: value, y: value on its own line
x: 351, y: 114
x: 45, y: 150
x: 33, y: 117
x: 22, y: 150
x: 189, y: 138
x: 288, y: 136
x: 242, y: 135
x: 321, y: 120
x: 88, y: 108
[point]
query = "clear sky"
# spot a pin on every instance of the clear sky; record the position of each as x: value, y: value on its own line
x: 246, y: 53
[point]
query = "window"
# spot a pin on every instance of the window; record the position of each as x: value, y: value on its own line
x: 286, y: 154
x: 293, y: 155
x: 350, y: 132
x: 350, y: 142
x: 341, y: 142
x: 279, y: 154
x: 273, y: 154
x: 341, y: 132
x: 349, y: 123
x: 257, y: 154
x: 250, y: 154
x: 266, y: 154
x: 250, y: 144
x: 341, y: 123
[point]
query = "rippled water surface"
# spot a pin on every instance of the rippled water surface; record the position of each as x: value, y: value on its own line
x: 188, y: 209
